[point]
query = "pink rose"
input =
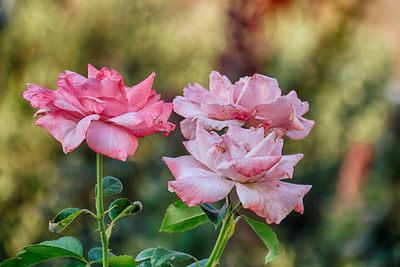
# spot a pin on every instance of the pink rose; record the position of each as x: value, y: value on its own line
x: 252, y: 101
x: 241, y: 158
x: 100, y: 109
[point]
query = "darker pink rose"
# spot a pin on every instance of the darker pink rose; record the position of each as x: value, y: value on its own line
x: 100, y: 109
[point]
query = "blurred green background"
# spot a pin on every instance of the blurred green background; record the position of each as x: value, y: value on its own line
x: 341, y: 56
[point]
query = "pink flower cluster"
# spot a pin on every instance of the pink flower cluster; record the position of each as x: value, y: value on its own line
x: 252, y: 113
x: 100, y: 109
x: 248, y: 156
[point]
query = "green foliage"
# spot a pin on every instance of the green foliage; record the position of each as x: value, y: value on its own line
x: 180, y: 218
x: 77, y: 264
x: 65, y: 247
x: 119, y: 261
x: 122, y: 207
x: 63, y: 219
x: 96, y: 254
x: 145, y: 255
x: 119, y: 208
x: 161, y: 257
x: 215, y: 215
x: 268, y: 236
x: 111, y: 186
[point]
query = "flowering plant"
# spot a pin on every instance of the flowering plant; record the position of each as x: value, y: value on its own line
x: 235, y: 138
x: 247, y: 121
x: 111, y: 117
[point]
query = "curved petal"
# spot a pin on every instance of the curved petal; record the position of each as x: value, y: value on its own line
x: 37, y: 96
x: 92, y: 71
x: 138, y: 94
x: 106, y: 84
x: 259, y: 89
x: 205, y: 142
x: 246, y: 138
x: 113, y: 107
x: 151, y: 119
x: 284, y: 169
x: 70, y: 81
x: 269, y: 146
x: 198, y: 94
x: 300, y: 134
x: 230, y: 148
x: 128, y: 120
x: 272, y: 200
x: 221, y: 112
x: 187, y: 109
x: 300, y: 107
x: 188, y: 128
x: 220, y: 85
x: 67, y: 101
x: 246, y: 170
x: 250, y: 167
x: 279, y: 113
x: 69, y: 131
x: 162, y: 124
x: 111, y: 140
x: 186, y: 166
x: 92, y: 104
x: 201, y: 189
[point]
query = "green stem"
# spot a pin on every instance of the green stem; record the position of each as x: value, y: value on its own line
x: 225, y: 233
x: 100, y: 209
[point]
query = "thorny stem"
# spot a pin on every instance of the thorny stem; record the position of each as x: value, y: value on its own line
x: 100, y: 209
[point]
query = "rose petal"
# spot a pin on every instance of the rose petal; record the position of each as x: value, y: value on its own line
x: 300, y: 107
x: 269, y: 146
x: 92, y: 71
x: 250, y: 167
x: 280, y: 113
x: 186, y: 108
x: 188, y: 128
x: 259, y: 89
x: 272, y: 200
x: 186, y: 166
x: 300, y: 134
x: 111, y: 140
x: 198, y: 94
x: 246, y: 138
x: 284, y: 168
x: 201, y: 189
x: 230, y: 148
x: 220, y: 112
x: 38, y: 97
x: 139, y: 94
x: 67, y: 101
x: 128, y: 120
x: 66, y: 129
x: 92, y: 104
x: 205, y: 143
x: 220, y: 85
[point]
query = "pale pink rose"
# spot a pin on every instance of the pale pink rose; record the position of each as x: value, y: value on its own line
x: 255, y: 101
x: 241, y: 158
x: 100, y: 109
